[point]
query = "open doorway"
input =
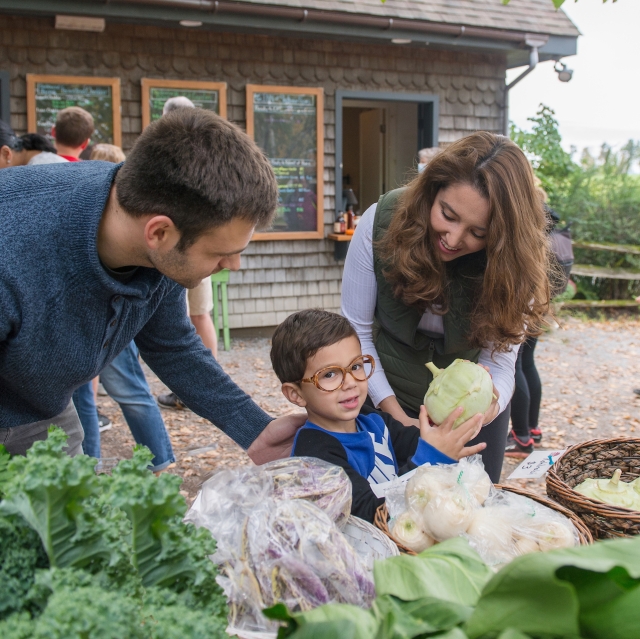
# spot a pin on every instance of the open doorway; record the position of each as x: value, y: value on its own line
x: 379, y: 136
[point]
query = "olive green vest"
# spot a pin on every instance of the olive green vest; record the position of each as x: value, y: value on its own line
x: 403, y: 349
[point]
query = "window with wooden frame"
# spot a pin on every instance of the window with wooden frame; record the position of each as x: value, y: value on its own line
x: 204, y: 95
x: 287, y: 124
x: 49, y: 94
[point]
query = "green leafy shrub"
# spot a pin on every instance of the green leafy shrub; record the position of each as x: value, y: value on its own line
x: 599, y: 197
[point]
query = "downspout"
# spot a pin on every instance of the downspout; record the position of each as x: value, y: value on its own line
x: 535, y: 42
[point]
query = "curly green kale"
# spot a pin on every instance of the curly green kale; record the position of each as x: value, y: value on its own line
x: 52, y: 492
x: 21, y: 554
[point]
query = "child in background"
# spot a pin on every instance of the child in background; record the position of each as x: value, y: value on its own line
x: 108, y: 153
x: 317, y: 357
x: 72, y: 132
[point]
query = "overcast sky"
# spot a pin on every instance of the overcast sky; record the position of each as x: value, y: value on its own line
x: 602, y: 101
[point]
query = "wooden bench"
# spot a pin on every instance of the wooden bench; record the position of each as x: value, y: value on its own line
x: 615, y: 273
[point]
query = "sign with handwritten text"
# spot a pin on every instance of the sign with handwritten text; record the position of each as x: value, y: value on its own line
x: 537, y: 464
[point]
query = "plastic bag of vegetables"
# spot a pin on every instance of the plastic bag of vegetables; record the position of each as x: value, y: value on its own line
x: 511, y: 525
x: 227, y: 498
x: 446, y: 501
x: 314, y: 480
x: 292, y: 553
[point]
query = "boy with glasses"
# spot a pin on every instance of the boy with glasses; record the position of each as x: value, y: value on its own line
x: 317, y: 357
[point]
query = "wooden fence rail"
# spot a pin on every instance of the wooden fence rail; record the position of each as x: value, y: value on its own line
x: 616, y: 273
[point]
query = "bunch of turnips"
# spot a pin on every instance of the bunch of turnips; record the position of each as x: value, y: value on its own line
x: 446, y: 501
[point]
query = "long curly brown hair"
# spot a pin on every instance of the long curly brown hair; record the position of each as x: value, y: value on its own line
x: 513, y: 296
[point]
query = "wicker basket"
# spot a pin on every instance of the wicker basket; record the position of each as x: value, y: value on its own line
x: 584, y: 534
x: 597, y: 458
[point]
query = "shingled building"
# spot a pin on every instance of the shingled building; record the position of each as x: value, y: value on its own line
x: 358, y: 87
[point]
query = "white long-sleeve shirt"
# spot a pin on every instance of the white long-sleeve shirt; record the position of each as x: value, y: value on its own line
x: 359, y: 294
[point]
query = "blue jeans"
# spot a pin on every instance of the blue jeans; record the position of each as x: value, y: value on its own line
x: 125, y: 382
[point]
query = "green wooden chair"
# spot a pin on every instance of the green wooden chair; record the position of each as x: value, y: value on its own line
x: 219, y: 283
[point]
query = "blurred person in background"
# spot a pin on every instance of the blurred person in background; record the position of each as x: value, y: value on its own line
x: 38, y: 149
x: 30, y: 148
x: 425, y: 156
x: 107, y: 153
x: 72, y: 132
x: 200, y: 298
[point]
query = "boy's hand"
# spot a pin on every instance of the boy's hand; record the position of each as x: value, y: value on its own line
x: 452, y: 442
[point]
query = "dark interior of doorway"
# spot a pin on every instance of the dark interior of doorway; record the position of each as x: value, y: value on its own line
x: 380, y: 143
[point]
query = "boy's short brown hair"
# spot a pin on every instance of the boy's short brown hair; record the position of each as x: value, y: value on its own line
x: 301, y: 336
x: 74, y: 125
x: 199, y: 170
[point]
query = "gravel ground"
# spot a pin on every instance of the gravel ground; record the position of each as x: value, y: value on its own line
x: 588, y: 369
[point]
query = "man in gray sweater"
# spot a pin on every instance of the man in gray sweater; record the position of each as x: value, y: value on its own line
x: 94, y: 255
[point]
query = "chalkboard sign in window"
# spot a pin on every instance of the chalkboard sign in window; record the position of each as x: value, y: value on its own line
x: 205, y: 95
x: 48, y: 94
x: 287, y: 124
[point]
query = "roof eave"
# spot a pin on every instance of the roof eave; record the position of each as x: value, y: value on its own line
x: 293, y: 22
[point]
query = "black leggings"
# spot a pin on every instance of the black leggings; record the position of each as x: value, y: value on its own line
x: 494, y: 435
x: 525, y: 404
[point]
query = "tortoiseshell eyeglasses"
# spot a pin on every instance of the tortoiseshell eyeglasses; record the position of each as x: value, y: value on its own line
x: 332, y: 378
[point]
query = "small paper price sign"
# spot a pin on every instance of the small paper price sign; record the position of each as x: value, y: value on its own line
x: 537, y: 464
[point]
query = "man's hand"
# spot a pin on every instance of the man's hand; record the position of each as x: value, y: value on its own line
x: 449, y: 441
x: 276, y: 440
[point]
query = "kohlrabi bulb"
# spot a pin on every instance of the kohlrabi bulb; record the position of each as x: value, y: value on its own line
x: 490, y: 533
x: 525, y: 545
x: 610, y: 491
x: 462, y: 383
x: 554, y: 534
x: 427, y: 482
x: 448, y: 514
x: 407, y: 531
x: 475, y: 479
x: 635, y: 484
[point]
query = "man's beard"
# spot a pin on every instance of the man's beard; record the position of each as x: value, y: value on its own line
x: 174, y: 265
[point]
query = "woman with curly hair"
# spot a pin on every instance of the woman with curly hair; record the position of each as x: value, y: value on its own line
x: 454, y: 265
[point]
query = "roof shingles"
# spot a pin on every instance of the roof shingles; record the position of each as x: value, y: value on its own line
x: 530, y: 16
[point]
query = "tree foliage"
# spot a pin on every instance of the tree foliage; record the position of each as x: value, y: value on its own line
x: 598, y: 196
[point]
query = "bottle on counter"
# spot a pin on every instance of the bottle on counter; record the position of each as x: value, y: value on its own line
x: 343, y: 223
x: 350, y: 215
x: 336, y: 224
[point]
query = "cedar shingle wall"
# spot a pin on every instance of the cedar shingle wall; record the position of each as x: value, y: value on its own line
x: 277, y: 278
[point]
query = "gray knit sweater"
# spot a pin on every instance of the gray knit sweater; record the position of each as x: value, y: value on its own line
x: 63, y: 318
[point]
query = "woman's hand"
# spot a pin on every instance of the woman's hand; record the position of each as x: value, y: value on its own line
x: 492, y: 412
x: 390, y: 405
x: 448, y: 441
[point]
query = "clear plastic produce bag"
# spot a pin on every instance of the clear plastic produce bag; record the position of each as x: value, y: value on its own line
x: 512, y: 525
x: 292, y: 553
x: 277, y: 534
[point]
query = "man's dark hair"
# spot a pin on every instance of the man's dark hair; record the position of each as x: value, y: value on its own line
x: 74, y: 125
x: 301, y: 336
x: 37, y: 142
x: 199, y: 170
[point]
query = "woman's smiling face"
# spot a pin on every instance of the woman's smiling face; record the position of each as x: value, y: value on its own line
x: 460, y: 220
